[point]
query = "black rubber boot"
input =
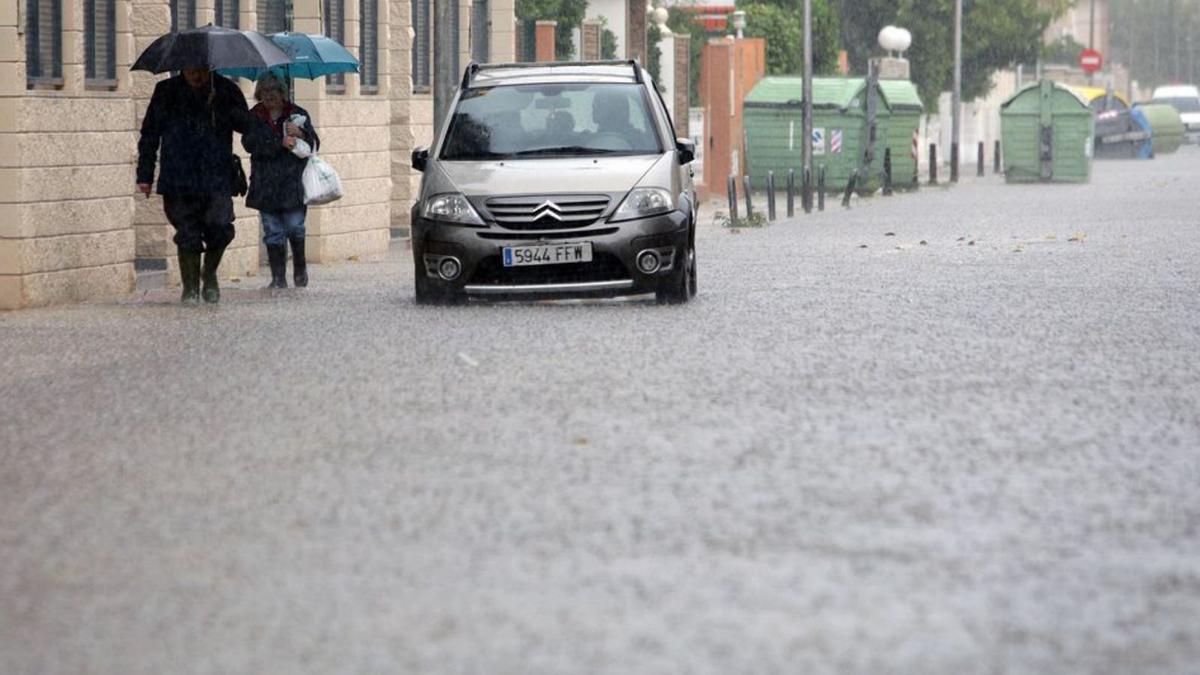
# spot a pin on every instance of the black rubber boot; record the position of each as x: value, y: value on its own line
x: 212, y: 259
x: 189, y: 273
x: 277, y: 259
x: 299, y: 264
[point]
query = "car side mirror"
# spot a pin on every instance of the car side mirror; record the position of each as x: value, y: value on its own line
x: 420, y: 158
x: 686, y: 149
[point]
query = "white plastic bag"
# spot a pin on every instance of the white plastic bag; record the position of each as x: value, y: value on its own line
x: 301, y: 149
x: 321, y: 183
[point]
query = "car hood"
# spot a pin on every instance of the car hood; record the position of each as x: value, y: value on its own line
x: 551, y: 176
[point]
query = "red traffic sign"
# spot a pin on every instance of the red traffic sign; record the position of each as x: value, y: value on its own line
x: 1090, y: 60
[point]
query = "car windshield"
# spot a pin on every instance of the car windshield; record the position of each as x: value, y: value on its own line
x: 1181, y: 103
x: 551, y: 120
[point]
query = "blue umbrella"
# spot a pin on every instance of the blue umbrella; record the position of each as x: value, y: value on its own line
x: 312, y: 56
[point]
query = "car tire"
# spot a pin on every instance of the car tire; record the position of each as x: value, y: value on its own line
x: 682, y: 286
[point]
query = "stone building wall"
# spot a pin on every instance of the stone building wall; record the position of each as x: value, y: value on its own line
x: 72, y: 226
x: 66, y: 171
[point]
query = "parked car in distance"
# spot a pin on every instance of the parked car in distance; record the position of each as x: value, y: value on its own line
x: 1186, y: 99
x: 555, y: 179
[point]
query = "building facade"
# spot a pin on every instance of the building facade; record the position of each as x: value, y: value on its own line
x: 72, y: 227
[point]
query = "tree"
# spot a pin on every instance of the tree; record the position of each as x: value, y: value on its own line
x: 1158, y: 40
x: 1063, y: 50
x: 781, y: 22
x: 568, y: 14
x: 996, y: 34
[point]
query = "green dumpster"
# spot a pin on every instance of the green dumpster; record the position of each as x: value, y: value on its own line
x: 1166, y: 127
x: 773, y: 125
x: 1046, y: 131
x: 906, y: 108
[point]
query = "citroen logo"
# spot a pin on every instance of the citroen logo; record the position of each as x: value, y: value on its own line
x: 547, y: 208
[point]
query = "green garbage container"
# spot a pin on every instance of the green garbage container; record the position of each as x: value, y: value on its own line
x: 906, y: 109
x: 1166, y: 127
x: 1046, y: 132
x: 773, y: 125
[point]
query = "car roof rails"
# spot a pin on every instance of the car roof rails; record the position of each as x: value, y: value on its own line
x: 474, y: 68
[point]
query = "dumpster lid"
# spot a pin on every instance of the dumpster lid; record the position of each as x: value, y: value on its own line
x: 1091, y: 94
x: 901, y: 95
x: 788, y: 91
x: 1035, y: 85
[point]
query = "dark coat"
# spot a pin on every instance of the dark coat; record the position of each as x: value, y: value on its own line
x: 275, y: 173
x: 193, y: 139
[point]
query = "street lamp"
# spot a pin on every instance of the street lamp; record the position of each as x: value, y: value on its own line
x: 807, y: 156
x: 956, y: 97
x: 739, y: 22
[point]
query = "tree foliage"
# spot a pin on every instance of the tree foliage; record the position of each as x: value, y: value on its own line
x: 1159, y: 41
x: 568, y: 13
x: 781, y: 22
x: 996, y: 34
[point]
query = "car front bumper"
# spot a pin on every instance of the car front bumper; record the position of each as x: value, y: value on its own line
x: 613, y: 270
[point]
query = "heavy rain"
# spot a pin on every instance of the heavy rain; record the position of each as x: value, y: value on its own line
x: 599, y: 336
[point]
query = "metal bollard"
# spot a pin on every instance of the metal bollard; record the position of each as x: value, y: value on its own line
x: 954, y: 162
x: 749, y: 205
x: 933, y: 163
x: 887, y: 172
x: 979, y: 169
x: 996, y: 158
x: 771, y: 196
x: 791, y: 193
x: 821, y: 188
x: 850, y: 184
x: 733, y: 206
x: 806, y: 199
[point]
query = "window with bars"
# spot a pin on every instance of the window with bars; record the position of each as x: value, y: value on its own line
x: 421, y: 49
x: 226, y: 13
x: 481, y: 22
x: 274, y: 16
x: 335, y: 29
x: 183, y: 15
x: 368, y: 62
x: 100, y: 43
x: 43, y: 42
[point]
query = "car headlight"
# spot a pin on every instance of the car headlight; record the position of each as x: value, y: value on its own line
x: 644, y: 202
x: 451, y: 207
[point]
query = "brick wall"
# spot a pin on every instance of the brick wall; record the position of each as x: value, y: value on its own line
x: 683, y: 78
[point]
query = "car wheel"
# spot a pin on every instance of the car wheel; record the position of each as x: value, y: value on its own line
x: 682, y: 287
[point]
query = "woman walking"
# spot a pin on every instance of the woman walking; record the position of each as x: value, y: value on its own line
x: 276, y: 167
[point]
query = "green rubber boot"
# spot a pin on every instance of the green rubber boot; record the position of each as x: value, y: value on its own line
x: 189, y: 273
x: 212, y: 290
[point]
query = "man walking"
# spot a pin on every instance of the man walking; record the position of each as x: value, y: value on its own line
x: 190, y: 125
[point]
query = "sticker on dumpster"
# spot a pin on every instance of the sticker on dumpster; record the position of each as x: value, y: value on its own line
x: 835, y: 142
x: 818, y: 141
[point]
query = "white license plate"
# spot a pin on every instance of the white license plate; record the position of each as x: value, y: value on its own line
x: 547, y: 254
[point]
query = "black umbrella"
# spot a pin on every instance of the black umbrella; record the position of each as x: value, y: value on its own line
x: 210, y: 47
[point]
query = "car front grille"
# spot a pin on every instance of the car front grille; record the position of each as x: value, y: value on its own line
x: 547, y: 212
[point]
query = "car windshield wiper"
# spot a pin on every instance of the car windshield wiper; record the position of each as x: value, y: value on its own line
x: 568, y: 150
x: 475, y: 156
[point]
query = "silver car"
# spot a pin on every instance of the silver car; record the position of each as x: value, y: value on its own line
x: 555, y: 179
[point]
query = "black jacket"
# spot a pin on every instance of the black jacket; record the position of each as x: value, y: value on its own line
x: 275, y: 173
x: 196, y: 138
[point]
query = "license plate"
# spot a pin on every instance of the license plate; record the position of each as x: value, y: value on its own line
x: 547, y: 254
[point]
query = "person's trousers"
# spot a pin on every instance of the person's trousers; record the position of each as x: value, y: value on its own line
x: 280, y: 226
x: 201, y: 222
